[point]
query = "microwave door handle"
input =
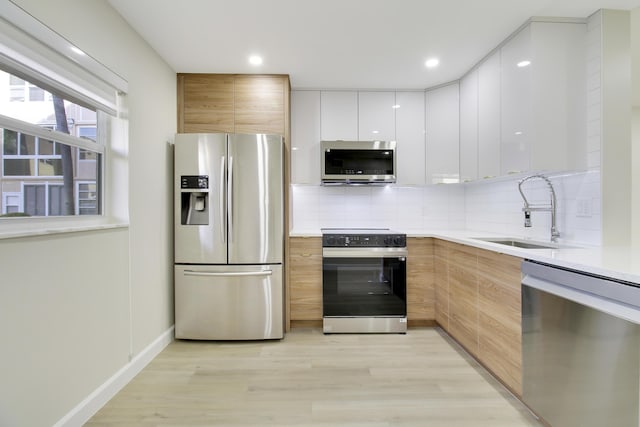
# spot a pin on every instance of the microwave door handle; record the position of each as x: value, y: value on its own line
x: 221, y: 201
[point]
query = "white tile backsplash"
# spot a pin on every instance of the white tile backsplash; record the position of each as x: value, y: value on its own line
x: 497, y: 207
x: 411, y: 209
x: 485, y: 206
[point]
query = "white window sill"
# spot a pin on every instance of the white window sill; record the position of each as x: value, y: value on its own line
x: 12, y: 228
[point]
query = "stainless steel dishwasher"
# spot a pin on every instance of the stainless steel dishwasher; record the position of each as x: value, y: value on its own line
x: 580, y: 347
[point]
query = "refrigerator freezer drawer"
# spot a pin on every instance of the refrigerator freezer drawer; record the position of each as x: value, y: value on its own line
x: 229, y: 302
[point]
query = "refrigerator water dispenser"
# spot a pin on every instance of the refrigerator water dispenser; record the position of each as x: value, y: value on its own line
x: 194, y: 204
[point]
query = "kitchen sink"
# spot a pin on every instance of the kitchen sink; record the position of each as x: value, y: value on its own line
x: 519, y: 243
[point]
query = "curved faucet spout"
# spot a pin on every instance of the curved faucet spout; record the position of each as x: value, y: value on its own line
x: 528, y: 208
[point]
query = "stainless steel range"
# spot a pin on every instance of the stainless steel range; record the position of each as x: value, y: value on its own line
x: 364, y: 281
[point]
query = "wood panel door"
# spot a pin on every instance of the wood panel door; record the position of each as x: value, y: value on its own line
x: 500, y: 314
x: 205, y: 103
x: 305, y: 278
x: 260, y: 104
x: 463, y: 296
x: 420, y: 281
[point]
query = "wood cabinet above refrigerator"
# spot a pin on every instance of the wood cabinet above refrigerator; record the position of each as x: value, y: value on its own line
x: 234, y: 103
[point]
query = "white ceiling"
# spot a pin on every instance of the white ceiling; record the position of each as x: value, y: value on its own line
x: 379, y: 44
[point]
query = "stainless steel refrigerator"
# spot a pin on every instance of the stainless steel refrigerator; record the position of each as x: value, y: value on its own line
x: 228, y: 236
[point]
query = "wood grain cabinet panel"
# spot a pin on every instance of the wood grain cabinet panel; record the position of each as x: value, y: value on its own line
x: 205, y: 103
x: 305, y: 278
x: 260, y: 104
x: 478, y: 302
x: 463, y: 296
x: 499, y: 329
x: 235, y: 103
x: 441, y: 282
x: 420, y: 281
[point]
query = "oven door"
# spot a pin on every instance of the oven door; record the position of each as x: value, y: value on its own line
x: 364, y: 282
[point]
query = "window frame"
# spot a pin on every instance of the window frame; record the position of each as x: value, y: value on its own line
x: 5, y: 203
x: 34, y: 52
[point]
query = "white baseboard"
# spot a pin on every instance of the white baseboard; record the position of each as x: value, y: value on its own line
x: 96, y: 400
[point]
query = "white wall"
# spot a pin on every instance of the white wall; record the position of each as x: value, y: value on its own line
x: 616, y: 127
x: 635, y: 129
x: 65, y: 301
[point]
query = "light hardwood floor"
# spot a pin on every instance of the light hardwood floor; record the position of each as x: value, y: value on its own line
x: 310, y: 379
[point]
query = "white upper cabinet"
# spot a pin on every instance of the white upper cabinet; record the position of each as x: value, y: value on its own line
x: 516, y: 69
x: 339, y: 115
x: 559, y: 104
x: 469, y: 127
x: 489, y: 117
x: 543, y: 92
x: 410, y: 151
x: 376, y: 116
x: 305, y: 137
x: 443, y: 134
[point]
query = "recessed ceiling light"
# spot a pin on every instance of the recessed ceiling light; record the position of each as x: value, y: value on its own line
x: 518, y: 133
x: 432, y: 62
x: 395, y: 106
x: 524, y: 63
x: 255, y: 60
x: 375, y: 131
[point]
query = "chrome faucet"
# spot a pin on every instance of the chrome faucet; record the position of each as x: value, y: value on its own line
x: 528, y: 208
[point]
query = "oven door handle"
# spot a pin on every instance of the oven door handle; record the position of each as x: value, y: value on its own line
x: 364, y: 252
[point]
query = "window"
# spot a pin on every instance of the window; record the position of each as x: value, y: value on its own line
x: 16, y: 89
x: 58, y: 114
x: 87, y: 197
x: 28, y: 155
x: 11, y: 203
x: 88, y: 132
x: 39, y: 163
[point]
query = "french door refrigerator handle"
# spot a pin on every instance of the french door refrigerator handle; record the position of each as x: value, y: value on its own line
x: 221, y: 202
x: 228, y: 274
x: 230, y: 197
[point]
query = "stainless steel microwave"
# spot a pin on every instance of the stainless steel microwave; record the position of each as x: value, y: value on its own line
x: 358, y: 162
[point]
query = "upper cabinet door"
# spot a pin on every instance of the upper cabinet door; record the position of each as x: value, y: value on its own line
x: 305, y: 137
x: 260, y: 104
x: 489, y: 117
x: 469, y: 127
x: 516, y: 68
x: 339, y: 113
x: 205, y: 103
x: 410, y: 149
x: 376, y: 116
x: 443, y: 134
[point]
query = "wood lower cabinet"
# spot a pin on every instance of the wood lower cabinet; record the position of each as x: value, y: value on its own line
x: 499, y: 317
x: 478, y: 304
x: 420, y: 282
x: 441, y: 282
x: 463, y: 296
x: 305, y: 279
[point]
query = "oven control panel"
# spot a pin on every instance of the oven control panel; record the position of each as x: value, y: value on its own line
x: 364, y: 240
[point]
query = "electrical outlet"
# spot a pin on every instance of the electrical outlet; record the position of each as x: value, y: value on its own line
x: 583, y: 208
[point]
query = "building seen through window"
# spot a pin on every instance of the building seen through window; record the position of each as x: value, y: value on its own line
x: 40, y: 175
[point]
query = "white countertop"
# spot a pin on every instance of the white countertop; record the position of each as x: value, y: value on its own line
x: 622, y: 263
